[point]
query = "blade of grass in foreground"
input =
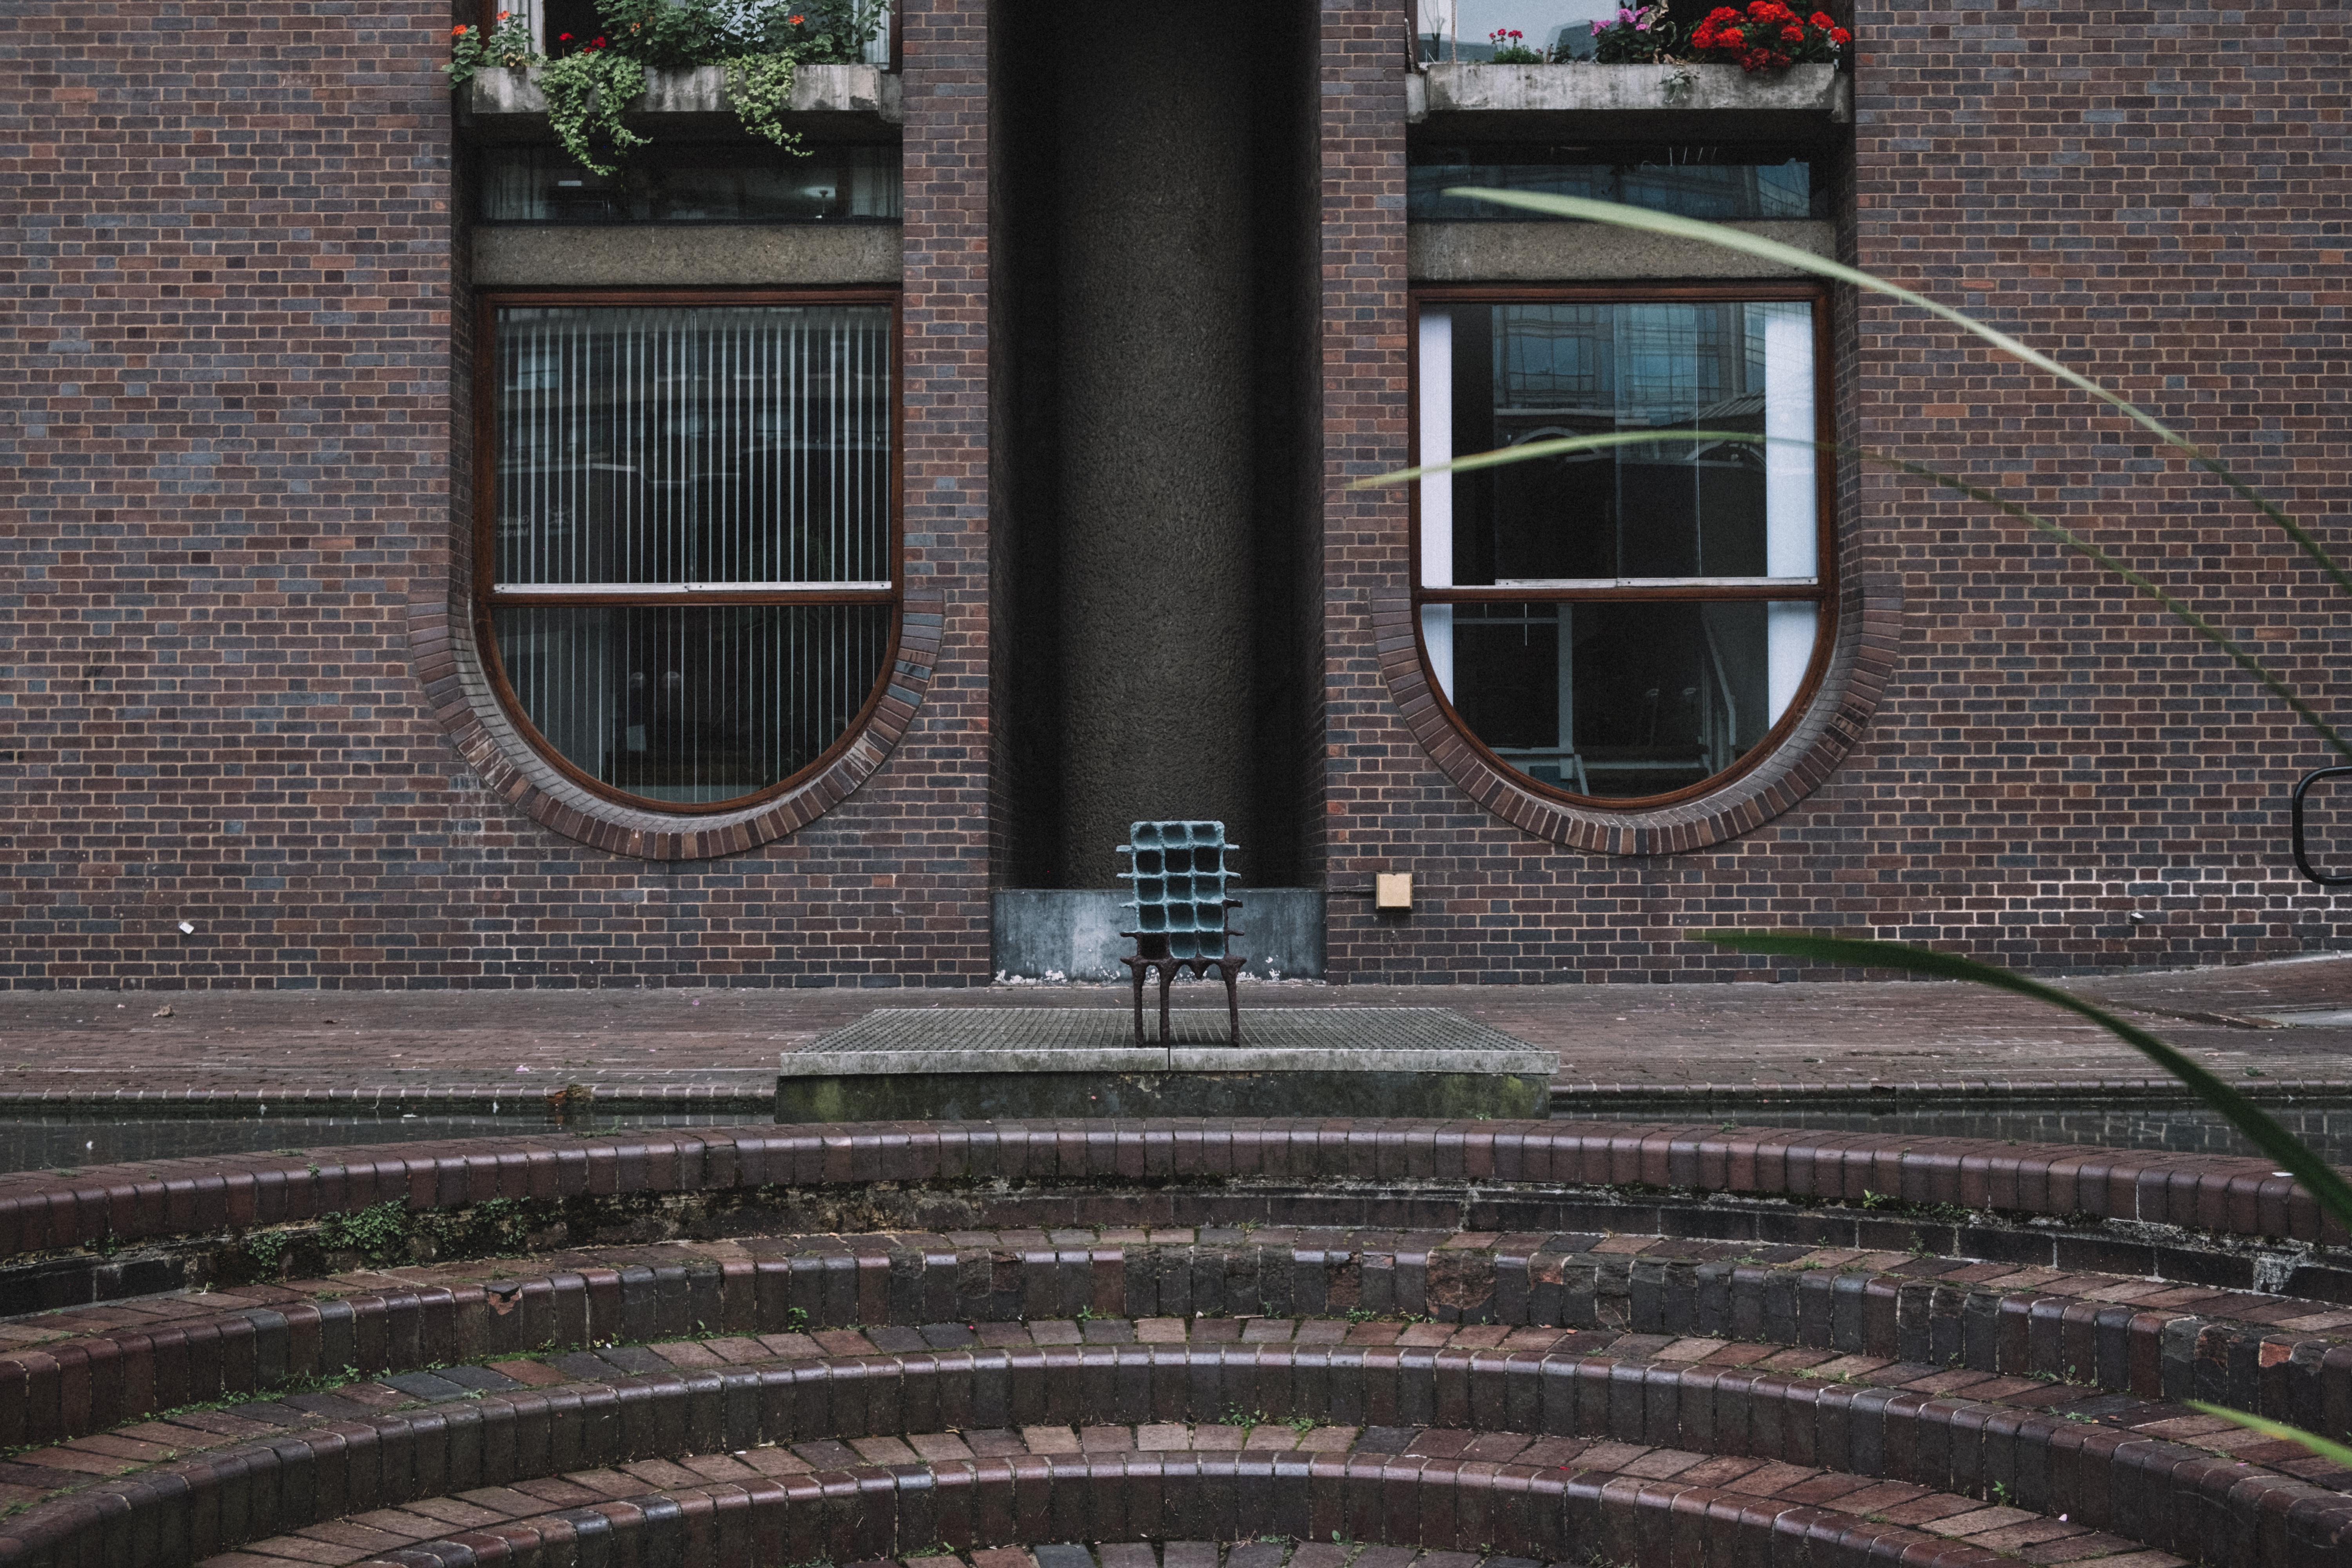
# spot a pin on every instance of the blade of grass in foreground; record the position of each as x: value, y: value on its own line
x: 2320, y: 1179
x: 1560, y: 446
x: 1805, y: 260
x: 2324, y: 1448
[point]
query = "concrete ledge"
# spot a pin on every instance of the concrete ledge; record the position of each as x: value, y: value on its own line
x: 1561, y: 252
x: 925, y: 1063
x: 589, y: 255
x: 1627, y: 102
x: 866, y: 91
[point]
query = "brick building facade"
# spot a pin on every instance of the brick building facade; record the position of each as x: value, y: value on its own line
x: 248, y: 740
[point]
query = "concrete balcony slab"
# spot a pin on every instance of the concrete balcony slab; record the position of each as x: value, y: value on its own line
x: 505, y: 104
x: 1666, y: 103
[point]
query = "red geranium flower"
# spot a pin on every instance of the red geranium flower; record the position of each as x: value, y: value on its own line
x: 459, y: 31
x: 1840, y: 37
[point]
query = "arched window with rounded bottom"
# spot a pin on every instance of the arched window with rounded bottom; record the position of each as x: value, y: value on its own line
x: 688, y: 589
x: 1632, y: 626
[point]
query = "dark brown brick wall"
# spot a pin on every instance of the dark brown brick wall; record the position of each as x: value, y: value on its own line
x: 227, y: 474
x: 228, y: 477
x: 2155, y: 196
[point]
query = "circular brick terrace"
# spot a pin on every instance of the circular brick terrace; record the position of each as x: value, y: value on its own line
x: 1172, y: 1344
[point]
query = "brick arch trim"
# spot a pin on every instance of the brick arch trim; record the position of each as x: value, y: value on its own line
x: 1870, y: 609
x: 458, y: 690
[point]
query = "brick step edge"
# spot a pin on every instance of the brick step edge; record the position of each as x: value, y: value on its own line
x: 2177, y: 1498
x: 868, y: 1512
x: 74, y: 1387
x: 112, y: 1205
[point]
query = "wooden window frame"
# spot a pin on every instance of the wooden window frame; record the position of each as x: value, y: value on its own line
x: 1823, y: 592
x: 489, y: 595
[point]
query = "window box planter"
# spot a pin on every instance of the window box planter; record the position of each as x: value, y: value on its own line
x: 506, y: 102
x: 1628, y: 102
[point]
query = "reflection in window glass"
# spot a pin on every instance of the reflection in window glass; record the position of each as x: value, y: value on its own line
x: 1465, y: 29
x: 1720, y: 185
x: 834, y: 182
x: 1637, y: 676
x: 1619, y: 699
x: 1539, y: 371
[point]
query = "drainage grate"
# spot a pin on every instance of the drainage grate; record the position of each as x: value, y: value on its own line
x: 1104, y: 1029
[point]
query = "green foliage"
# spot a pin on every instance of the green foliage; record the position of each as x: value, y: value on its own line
x: 589, y: 83
x: 586, y: 95
x: 263, y: 1252
x: 506, y: 45
x: 761, y: 88
x: 378, y: 1232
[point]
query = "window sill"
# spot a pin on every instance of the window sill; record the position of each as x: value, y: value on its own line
x: 1628, y: 102
x: 508, y: 102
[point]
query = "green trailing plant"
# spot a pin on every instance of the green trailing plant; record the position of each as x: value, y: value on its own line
x: 589, y: 83
x: 586, y: 94
x: 2326, y: 1186
x: 761, y: 88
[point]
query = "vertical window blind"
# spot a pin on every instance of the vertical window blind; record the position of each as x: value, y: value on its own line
x: 691, y: 567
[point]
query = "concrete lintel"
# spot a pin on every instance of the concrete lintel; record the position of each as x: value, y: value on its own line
x: 1669, y: 102
x: 864, y: 92
x: 603, y: 255
x: 1559, y: 252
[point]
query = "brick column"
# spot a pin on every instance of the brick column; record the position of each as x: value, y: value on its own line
x: 1365, y: 430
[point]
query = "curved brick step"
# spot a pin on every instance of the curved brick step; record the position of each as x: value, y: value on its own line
x: 118, y: 1206
x: 1474, y: 1494
x: 74, y: 1372
x: 2108, y: 1462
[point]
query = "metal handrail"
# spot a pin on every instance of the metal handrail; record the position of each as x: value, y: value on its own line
x: 2301, y: 859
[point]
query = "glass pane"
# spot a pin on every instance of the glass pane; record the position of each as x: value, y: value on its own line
x: 1719, y: 185
x: 1621, y: 700
x: 841, y: 183
x: 1465, y: 29
x: 1672, y: 508
x: 692, y: 705
x: 746, y: 444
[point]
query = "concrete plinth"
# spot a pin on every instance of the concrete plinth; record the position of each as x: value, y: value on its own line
x: 909, y: 1064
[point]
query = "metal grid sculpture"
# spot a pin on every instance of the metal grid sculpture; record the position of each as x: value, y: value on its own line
x: 1180, y: 873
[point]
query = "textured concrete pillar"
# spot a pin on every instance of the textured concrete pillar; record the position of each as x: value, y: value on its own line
x: 1155, y: 439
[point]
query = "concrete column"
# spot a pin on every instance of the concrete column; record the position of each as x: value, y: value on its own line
x: 1154, y: 447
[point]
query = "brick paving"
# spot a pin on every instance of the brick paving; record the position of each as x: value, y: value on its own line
x: 721, y: 1044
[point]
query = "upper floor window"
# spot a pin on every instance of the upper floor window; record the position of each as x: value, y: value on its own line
x: 1628, y: 624
x: 832, y: 182
x: 688, y: 589
x: 1734, y: 184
